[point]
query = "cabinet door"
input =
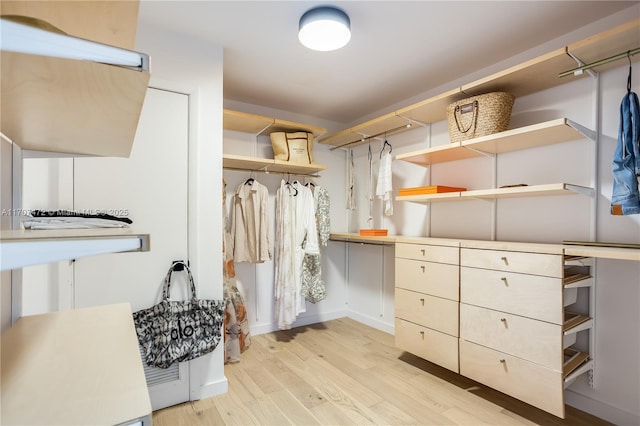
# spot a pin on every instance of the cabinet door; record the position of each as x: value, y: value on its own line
x: 151, y: 189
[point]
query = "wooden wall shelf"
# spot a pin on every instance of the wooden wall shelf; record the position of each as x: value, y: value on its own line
x: 260, y: 125
x: 541, y: 134
x: 238, y: 162
x: 493, y: 194
x: 532, y: 76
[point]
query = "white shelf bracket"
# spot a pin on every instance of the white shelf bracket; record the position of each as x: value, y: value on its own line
x: 591, y: 134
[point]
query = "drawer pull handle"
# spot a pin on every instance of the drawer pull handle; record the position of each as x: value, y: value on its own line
x: 503, y: 361
x: 423, y: 251
x: 505, y: 260
x: 422, y: 334
x: 504, y: 280
x: 422, y: 300
x: 504, y: 321
x: 423, y: 268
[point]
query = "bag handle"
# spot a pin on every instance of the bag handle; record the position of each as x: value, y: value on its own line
x: 463, y: 109
x: 178, y: 265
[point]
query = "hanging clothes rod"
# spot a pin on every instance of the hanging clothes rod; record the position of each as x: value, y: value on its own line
x: 613, y: 58
x: 364, y: 138
x: 315, y: 175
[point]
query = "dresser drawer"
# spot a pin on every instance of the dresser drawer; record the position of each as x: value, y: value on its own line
x: 550, y: 265
x: 429, y: 253
x: 429, y: 311
x: 527, y: 381
x: 535, y: 341
x: 431, y: 345
x: 438, y: 279
x: 531, y: 296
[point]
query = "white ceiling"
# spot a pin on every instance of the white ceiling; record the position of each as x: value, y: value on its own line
x: 398, y: 48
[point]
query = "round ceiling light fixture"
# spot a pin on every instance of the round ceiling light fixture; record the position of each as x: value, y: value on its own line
x: 324, y: 28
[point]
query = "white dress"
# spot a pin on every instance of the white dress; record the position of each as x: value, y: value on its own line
x: 296, y: 234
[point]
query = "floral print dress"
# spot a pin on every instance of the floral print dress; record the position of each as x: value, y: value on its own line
x: 236, y: 323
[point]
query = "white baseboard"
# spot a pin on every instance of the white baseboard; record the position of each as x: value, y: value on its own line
x: 600, y: 409
x: 372, y: 322
x: 217, y: 387
x: 302, y: 320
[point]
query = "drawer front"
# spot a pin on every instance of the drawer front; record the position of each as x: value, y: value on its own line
x: 535, y: 341
x: 550, y: 265
x: 429, y: 253
x: 431, y: 345
x: 432, y: 312
x: 526, y: 381
x: 530, y: 296
x: 438, y: 279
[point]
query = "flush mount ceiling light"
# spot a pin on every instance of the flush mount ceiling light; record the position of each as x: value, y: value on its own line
x: 324, y: 28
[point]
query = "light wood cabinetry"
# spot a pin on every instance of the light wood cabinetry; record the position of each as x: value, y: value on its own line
x: 76, y: 92
x: 426, y: 301
x: 76, y: 367
x: 514, y: 330
x: 105, y: 21
x: 260, y: 125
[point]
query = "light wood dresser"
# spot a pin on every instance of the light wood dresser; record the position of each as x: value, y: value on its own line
x: 496, y: 312
x: 427, y: 290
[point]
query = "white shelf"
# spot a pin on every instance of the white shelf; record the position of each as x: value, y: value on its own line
x: 22, y: 248
x: 76, y: 367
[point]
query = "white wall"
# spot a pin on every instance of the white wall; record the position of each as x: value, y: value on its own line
x: 193, y: 67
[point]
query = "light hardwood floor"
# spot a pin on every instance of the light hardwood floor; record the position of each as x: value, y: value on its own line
x: 342, y: 372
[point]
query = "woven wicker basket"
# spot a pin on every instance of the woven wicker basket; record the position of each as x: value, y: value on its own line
x: 479, y: 115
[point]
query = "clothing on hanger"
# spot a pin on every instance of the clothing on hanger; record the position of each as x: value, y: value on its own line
x: 250, y: 223
x: 384, y: 188
x: 236, y: 321
x: 296, y: 235
x: 313, y: 286
x: 351, y: 182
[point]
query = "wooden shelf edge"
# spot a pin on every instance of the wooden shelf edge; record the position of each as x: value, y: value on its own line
x: 260, y: 125
x: 240, y: 162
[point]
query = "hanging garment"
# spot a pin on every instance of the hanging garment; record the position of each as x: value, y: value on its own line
x: 351, y: 184
x: 250, y: 223
x: 384, y: 188
x: 625, y: 198
x: 313, y: 286
x: 323, y: 219
x: 236, y: 322
x: 296, y: 235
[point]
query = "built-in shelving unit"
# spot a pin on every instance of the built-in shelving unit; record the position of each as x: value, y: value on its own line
x: 259, y: 125
x: 547, y: 133
x: 532, y: 76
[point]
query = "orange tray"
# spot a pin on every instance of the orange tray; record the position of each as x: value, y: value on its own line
x: 374, y: 232
x: 434, y: 189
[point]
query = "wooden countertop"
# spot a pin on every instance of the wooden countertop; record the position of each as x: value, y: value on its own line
x: 76, y: 367
x: 620, y: 253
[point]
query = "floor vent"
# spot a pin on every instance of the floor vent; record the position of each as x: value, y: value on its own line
x: 157, y: 376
